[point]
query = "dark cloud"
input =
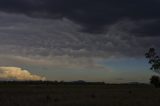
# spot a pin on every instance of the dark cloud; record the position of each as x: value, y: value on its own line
x: 23, y: 35
x: 94, y: 15
x: 147, y: 28
x: 55, y: 27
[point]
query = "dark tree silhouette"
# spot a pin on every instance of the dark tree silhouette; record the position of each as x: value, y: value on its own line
x: 155, y: 80
x: 154, y: 60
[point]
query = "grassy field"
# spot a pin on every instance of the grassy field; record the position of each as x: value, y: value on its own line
x: 79, y: 95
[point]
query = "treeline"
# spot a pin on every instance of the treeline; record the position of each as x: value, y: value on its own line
x: 49, y: 83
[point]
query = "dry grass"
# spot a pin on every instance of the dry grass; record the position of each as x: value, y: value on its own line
x: 79, y: 95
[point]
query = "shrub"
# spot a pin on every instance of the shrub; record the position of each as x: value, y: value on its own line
x: 155, y: 80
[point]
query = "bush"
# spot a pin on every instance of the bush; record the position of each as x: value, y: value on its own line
x: 155, y: 80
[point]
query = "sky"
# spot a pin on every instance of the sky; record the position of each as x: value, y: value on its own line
x: 91, y: 40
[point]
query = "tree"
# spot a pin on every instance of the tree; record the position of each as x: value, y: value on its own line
x: 154, y: 60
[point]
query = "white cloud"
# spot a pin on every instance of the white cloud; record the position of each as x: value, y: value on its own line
x: 17, y: 73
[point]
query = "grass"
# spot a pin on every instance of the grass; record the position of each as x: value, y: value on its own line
x: 79, y: 95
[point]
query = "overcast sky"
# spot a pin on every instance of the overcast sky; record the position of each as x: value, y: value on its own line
x: 93, y: 40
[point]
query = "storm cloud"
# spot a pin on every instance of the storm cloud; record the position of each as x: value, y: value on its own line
x: 93, y: 15
x: 76, y: 34
x: 25, y: 36
x: 81, y: 28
